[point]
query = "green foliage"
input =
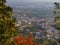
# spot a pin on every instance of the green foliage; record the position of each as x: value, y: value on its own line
x: 57, y: 18
x: 57, y: 5
x: 2, y: 1
x: 7, y: 24
x: 57, y: 13
x: 57, y: 22
x: 56, y: 8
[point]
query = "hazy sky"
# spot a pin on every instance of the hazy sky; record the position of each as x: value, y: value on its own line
x: 32, y: 0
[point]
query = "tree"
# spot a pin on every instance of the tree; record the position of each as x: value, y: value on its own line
x: 29, y: 40
x: 57, y: 17
x: 20, y: 40
x: 7, y: 24
x: 57, y: 13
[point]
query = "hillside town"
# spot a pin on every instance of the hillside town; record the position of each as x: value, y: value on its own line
x: 38, y: 27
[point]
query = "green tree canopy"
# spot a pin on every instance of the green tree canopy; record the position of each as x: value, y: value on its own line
x: 7, y: 24
x: 57, y: 17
